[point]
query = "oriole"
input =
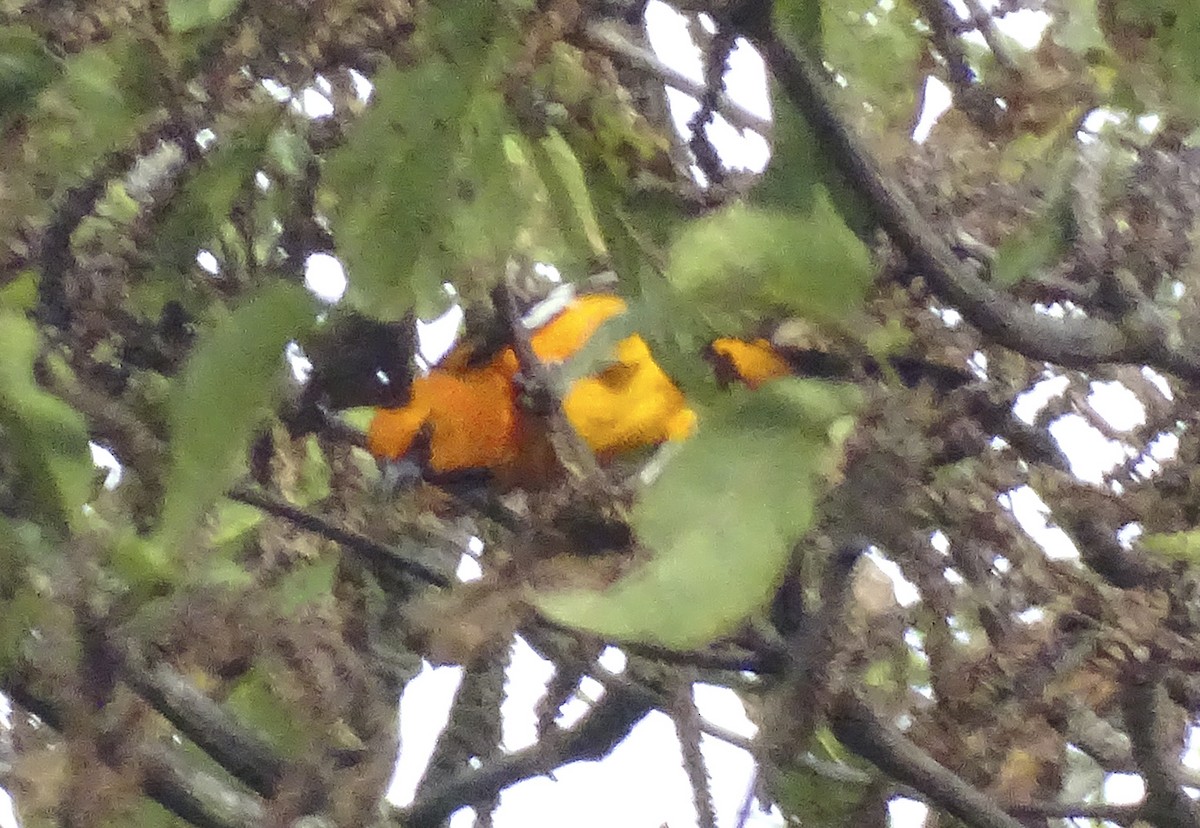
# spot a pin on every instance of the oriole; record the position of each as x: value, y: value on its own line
x: 472, y: 419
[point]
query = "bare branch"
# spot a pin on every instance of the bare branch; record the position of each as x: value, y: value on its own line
x: 687, y: 727
x: 605, y: 38
x: 596, y: 734
x: 232, y: 745
x: 188, y: 792
x: 1166, y: 804
x: 381, y: 558
x: 857, y: 726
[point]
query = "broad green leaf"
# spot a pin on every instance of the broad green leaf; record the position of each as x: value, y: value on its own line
x: 187, y: 15
x: 1045, y: 237
x: 797, y: 166
x: 721, y: 518
x: 1031, y: 248
x: 26, y: 67
x: 1162, y: 37
x: 391, y: 184
x: 1178, y: 546
x: 20, y: 294
x: 560, y: 173
x: 46, y: 438
x: 878, y: 49
x: 744, y: 264
x: 801, y: 22
x: 412, y: 161
x: 817, y: 801
x: 230, y: 383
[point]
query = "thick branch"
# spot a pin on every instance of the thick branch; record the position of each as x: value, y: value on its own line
x: 1166, y: 803
x: 241, y: 751
x: 188, y: 792
x: 1078, y: 342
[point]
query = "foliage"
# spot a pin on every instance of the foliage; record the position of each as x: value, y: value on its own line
x: 220, y: 636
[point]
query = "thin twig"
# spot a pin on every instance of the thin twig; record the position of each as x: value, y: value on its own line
x: 716, y: 62
x: 986, y: 25
x: 687, y: 727
x: 380, y: 557
x: 573, y: 454
x: 604, y: 38
x: 597, y: 733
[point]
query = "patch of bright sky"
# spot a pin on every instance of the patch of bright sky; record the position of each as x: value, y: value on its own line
x: 208, y: 262
x: 1119, y: 406
x: 1164, y: 447
x: 1030, y: 402
x: 104, y: 459
x: 745, y: 83
x: 1123, y: 788
x: 1090, y: 454
x: 313, y: 104
x: 906, y: 591
x: 325, y: 277
x: 1031, y: 512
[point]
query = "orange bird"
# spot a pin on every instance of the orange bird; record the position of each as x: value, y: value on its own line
x: 470, y: 417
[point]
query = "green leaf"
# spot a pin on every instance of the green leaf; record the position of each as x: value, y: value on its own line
x: 307, y: 584
x: 187, y: 15
x: 745, y: 264
x: 412, y: 164
x: 721, y: 519
x: 818, y: 801
x: 566, y: 188
x: 1045, y: 238
x: 1177, y: 546
x: 47, y: 439
x: 231, y: 382
x: 801, y: 22
x: 797, y: 166
x: 255, y: 701
x: 26, y: 67
x: 878, y: 49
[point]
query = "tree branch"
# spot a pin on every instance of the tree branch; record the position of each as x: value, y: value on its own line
x: 857, y: 726
x: 604, y: 38
x: 233, y: 746
x: 597, y: 733
x: 1166, y: 804
x: 382, y: 558
x: 1077, y: 342
x: 188, y: 792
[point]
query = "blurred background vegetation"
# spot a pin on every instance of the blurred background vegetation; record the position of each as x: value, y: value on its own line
x: 952, y: 560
